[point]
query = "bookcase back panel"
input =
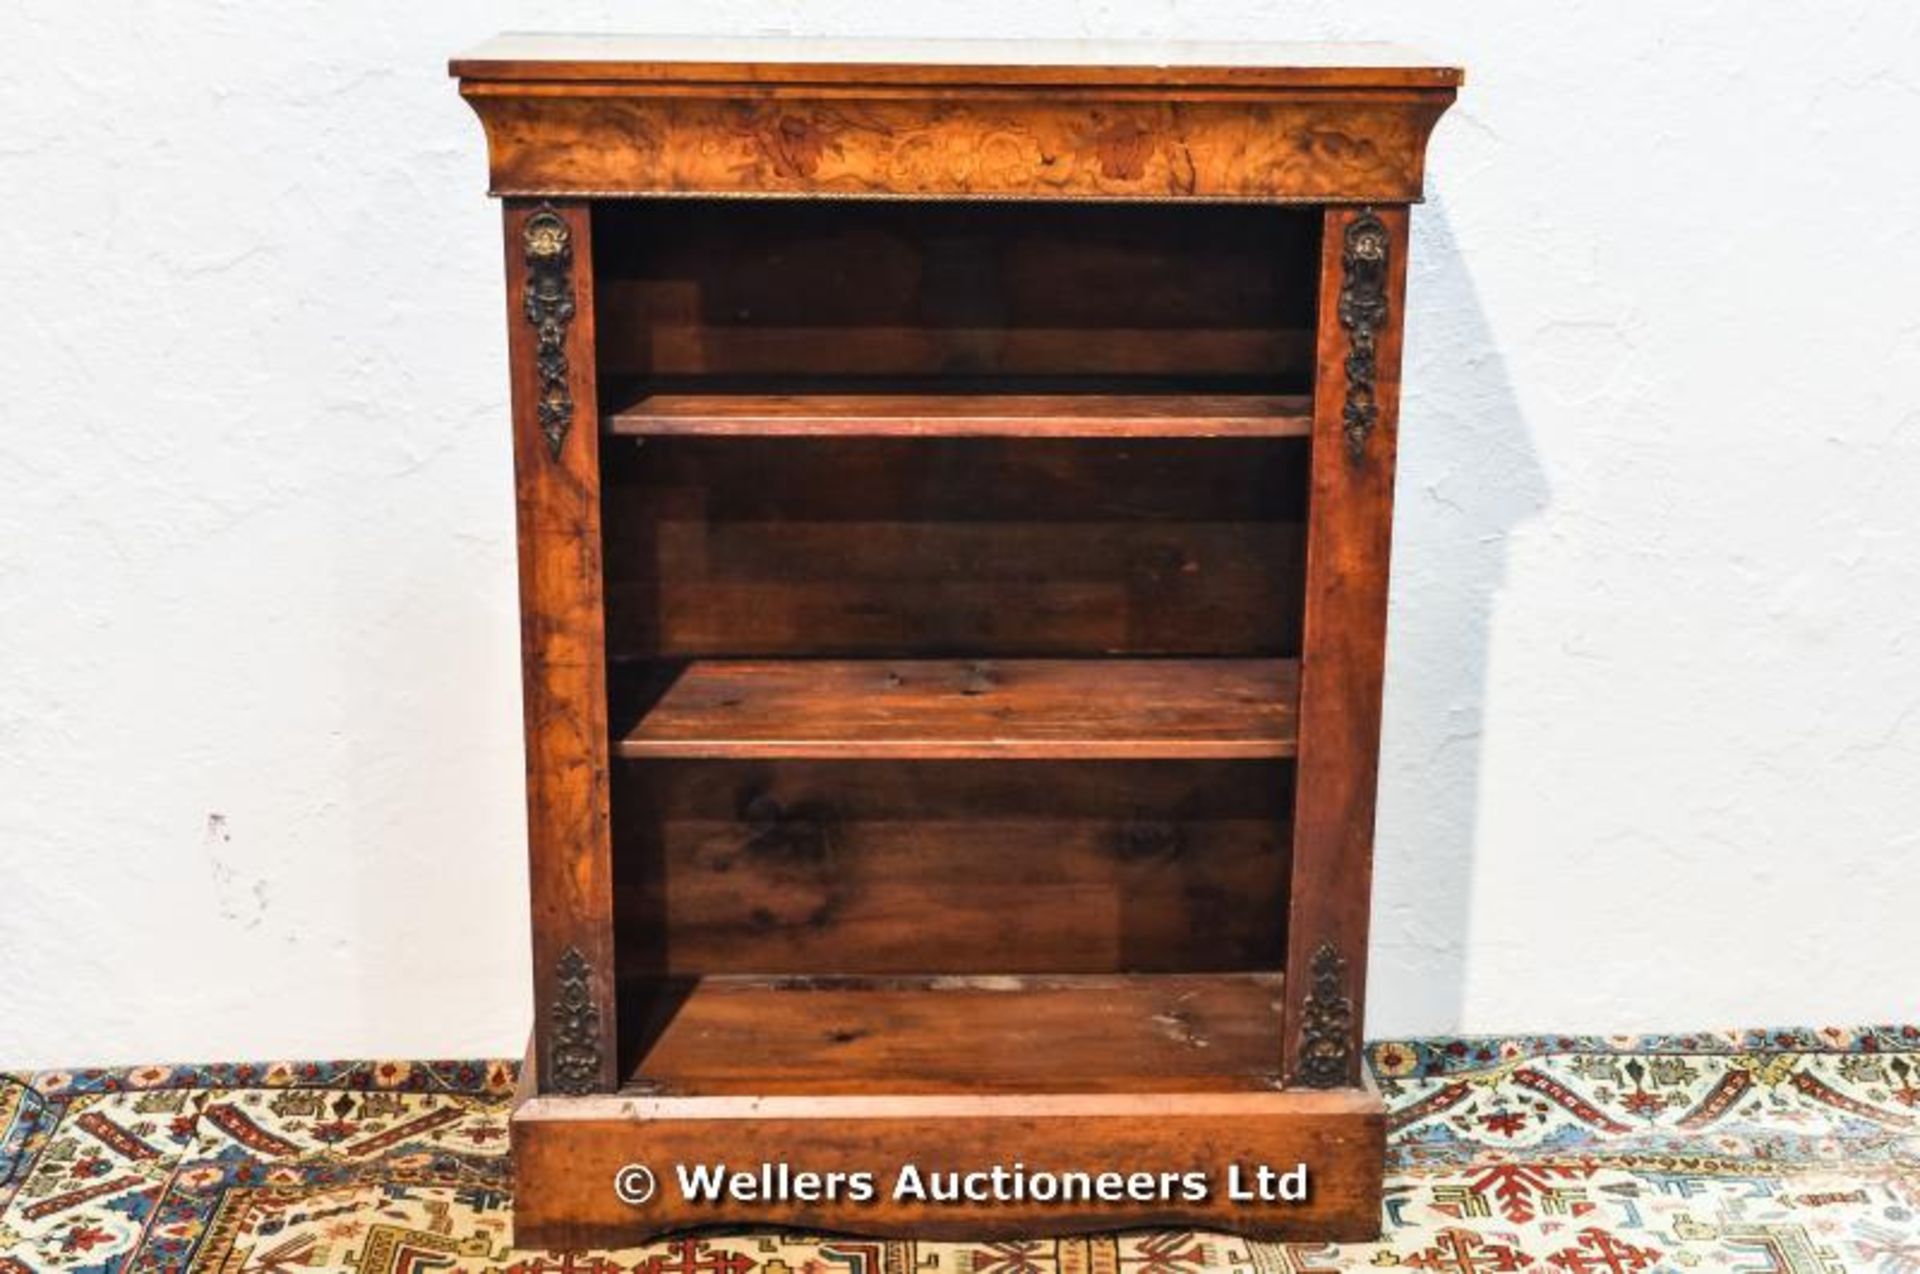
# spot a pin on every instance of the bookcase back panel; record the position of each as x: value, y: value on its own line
x: 987, y: 547
x: 988, y: 293
x: 975, y: 867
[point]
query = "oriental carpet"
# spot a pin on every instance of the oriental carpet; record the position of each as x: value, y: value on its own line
x: 1749, y: 1153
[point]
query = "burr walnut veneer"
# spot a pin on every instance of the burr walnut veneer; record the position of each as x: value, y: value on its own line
x: 955, y: 491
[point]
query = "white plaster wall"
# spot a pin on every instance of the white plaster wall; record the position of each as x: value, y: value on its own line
x: 1652, y: 730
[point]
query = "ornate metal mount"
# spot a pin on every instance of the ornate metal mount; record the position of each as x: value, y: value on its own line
x: 573, y: 1059
x: 548, y: 243
x: 1363, y: 312
x: 1326, y: 1026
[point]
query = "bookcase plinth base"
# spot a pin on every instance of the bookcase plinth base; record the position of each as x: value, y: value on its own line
x: 569, y: 1154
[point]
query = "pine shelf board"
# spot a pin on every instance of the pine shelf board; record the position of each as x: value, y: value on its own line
x: 1039, y: 709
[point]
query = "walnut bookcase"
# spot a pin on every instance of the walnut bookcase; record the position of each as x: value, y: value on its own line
x: 955, y: 493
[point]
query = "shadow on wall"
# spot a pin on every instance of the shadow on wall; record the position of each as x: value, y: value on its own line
x: 1468, y: 476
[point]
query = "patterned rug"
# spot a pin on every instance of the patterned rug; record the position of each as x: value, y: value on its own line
x: 1748, y: 1153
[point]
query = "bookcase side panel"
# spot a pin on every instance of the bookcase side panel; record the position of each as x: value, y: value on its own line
x: 557, y: 478
x: 1349, y: 536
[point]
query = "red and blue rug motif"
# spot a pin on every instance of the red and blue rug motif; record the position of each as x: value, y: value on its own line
x: 1747, y: 1153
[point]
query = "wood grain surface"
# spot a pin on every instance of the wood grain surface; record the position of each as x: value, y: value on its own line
x: 566, y: 1155
x: 770, y: 59
x: 928, y: 547
x: 637, y: 138
x: 1059, y: 709
x: 833, y: 867
x: 992, y: 295
x: 1008, y: 1033
x: 966, y: 415
x: 563, y: 665
x: 1348, y: 548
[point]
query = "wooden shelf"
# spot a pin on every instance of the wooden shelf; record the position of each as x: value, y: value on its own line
x: 1122, y: 1033
x: 1043, y: 709
x: 967, y: 415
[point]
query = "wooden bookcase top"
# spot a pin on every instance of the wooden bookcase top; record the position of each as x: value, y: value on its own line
x: 1025, y: 63
x: 768, y: 116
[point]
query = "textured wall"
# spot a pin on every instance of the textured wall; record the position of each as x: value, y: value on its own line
x: 1652, y: 733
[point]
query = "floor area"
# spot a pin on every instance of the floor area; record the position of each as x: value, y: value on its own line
x: 1745, y: 1152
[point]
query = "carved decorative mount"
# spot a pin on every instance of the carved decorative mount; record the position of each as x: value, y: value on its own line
x: 548, y: 242
x: 1327, y: 1026
x: 1363, y: 312
x: 573, y: 1058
